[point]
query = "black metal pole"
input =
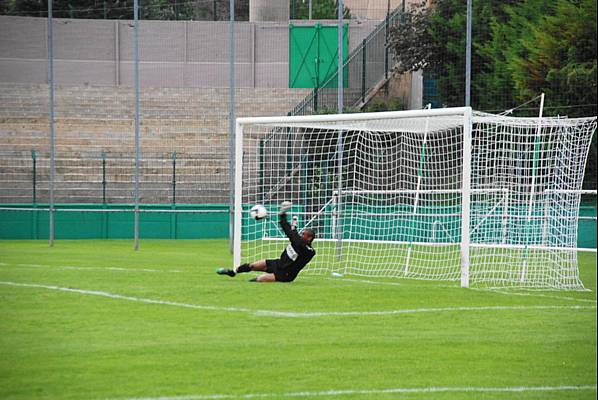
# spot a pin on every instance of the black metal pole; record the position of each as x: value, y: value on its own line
x: 103, y: 178
x: 386, y: 32
x: 34, y: 180
x: 174, y: 177
x: 363, y: 72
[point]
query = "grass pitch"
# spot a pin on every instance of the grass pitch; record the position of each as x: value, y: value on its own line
x: 97, y: 320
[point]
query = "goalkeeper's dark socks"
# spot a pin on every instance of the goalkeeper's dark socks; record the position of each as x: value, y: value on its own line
x: 244, y: 268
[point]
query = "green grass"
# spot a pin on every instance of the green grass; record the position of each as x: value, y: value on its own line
x: 214, y: 337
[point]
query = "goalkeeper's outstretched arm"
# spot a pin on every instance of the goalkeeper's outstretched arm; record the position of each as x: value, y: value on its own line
x: 300, y: 243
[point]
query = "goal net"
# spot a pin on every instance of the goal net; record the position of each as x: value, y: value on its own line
x: 443, y: 194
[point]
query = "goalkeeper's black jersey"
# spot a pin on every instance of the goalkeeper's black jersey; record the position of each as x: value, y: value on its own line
x: 296, y: 255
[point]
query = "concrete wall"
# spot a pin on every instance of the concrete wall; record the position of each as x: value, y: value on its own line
x: 172, y: 53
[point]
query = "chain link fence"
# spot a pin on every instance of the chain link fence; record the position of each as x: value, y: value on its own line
x: 170, y: 123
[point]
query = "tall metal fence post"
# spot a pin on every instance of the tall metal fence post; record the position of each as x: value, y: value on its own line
x: 34, y: 215
x: 386, y: 34
x: 340, y: 57
x: 363, y: 71
x: 104, y: 184
x: 137, y: 114
x: 174, y: 177
x: 173, y: 216
x: 34, y: 177
x: 468, y: 58
x: 231, y: 122
x: 103, y: 178
x: 52, y: 144
x: 339, y: 246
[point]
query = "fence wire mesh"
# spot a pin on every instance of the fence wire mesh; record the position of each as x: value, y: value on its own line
x: 184, y: 93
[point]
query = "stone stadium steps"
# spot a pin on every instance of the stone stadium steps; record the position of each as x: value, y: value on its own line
x: 91, y: 121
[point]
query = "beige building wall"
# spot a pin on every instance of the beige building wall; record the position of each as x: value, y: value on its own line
x: 172, y: 53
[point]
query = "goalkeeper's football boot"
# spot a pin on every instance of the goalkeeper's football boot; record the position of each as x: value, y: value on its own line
x: 226, y: 271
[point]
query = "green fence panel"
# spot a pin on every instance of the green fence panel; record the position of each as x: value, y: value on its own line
x: 214, y: 223
x: 586, y: 228
x: 313, y: 55
x: 211, y: 223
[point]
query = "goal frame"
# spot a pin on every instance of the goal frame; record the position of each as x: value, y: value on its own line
x: 465, y: 112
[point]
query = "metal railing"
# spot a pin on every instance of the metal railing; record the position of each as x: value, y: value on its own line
x: 367, y: 68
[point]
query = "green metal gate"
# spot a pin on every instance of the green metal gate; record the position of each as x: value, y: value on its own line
x: 313, y: 55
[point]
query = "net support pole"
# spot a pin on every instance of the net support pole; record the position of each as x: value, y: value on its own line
x: 468, y: 57
x: 137, y: 114
x: 238, y: 193
x: 532, y: 192
x: 420, y: 174
x: 466, y: 197
x: 52, y: 106
x: 339, y: 148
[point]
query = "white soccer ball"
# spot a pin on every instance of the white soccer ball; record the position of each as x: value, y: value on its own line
x: 258, y: 212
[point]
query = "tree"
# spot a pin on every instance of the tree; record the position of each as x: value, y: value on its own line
x: 123, y: 9
x: 434, y: 38
x: 520, y: 48
x: 559, y: 58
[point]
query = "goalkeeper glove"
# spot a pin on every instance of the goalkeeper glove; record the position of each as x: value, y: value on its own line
x: 284, y: 207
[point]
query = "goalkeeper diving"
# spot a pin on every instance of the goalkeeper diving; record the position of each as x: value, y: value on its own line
x: 292, y: 260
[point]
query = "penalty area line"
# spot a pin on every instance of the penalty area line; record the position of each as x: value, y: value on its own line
x: 515, y: 389
x: 292, y: 314
x: 77, y: 268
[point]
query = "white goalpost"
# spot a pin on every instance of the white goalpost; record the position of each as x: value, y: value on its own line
x: 441, y: 194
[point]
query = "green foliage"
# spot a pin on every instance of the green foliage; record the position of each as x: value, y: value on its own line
x: 412, y: 41
x: 520, y: 49
x: 385, y: 104
x: 324, y: 110
x: 123, y: 9
x: 559, y: 58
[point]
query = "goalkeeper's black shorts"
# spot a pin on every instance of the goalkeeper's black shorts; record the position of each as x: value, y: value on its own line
x: 281, y: 274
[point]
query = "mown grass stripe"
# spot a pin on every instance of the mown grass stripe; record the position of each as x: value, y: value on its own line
x: 294, y: 314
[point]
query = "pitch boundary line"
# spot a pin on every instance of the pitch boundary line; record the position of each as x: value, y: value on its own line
x: 506, y: 293
x: 76, y: 268
x: 290, y: 314
x: 515, y: 389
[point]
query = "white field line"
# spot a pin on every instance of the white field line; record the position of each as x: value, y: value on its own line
x: 129, y: 298
x: 70, y: 267
x: 295, y: 314
x: 515, y: 389
x: 532, y: 294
